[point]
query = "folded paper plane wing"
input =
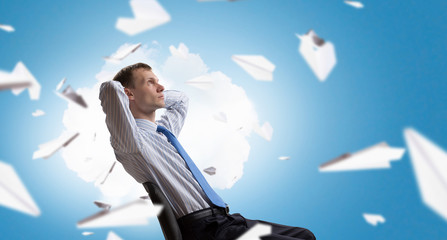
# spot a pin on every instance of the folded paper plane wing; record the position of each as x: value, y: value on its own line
x: 61, y: 83
x: 256, y: 232
x: 375, y: 157
x: 204, y: 82
x: 319, y: 54
x: 7, y: 28
x: 13, y: 193
x: 259, y: 67
x: 20, y: 79
x: 123, y: 53
x: 70, y: 95
x: 430, y: 168
x: 148, y: 14
x: 373, y: 219
x: 221, y: 117
x: 355, y: 4
x: 130, y: 214
x: 46, y: 150
x: 113, y: 236
x: 266, y: 131
x: 210, y: 170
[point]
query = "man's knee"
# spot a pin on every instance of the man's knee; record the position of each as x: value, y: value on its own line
x: 308, y: 235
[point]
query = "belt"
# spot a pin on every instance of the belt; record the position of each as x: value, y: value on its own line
x: 193, y: 217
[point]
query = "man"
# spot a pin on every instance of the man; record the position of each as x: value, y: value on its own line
x: 149, y: 151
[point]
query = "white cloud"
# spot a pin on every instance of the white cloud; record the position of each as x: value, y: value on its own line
x: 208, y: 142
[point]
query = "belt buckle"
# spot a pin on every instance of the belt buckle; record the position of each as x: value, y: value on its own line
x: 227, y: 210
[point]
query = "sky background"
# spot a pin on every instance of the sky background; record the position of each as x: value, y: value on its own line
x: 390, y: 74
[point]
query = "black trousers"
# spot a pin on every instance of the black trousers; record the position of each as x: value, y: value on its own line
x: 230, y: 227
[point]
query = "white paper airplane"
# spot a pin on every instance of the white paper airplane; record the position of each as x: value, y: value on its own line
x: 113, y: 236
x: 148, y: 14
x: 221, y: 117
x: 87, y: 233
x: 38, y: 113
x: 7, y: 28
x: 130, y: 214
x: 47, y: 149
x: 373, y: 219
x: 61, y: 83
x: 210, y: 170
x: 430, y: 168
x: 217, y: 0
x: 355, y: 4
x: 320, y: 55
x: 204, y: 82
x: 20, y: 79
x: 266, y: 131
x: 105, y: 206
x: 70, y: 95
x: 284, y: 158
x: 259, y: 67
x: 13, y: 193
x: 108, y: 173
x: 256, y: 232
x: 378, y: 156
x: 123, y: 53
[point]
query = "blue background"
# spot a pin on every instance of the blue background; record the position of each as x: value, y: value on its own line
x: 391, y: 74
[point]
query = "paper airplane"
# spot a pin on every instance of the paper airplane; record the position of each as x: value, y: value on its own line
x: 320, y: 55
x: 46, y: 150
x: 354, y: 4
x: 284, y: 158
x: 108, y: 173
x: 376, y: 157
x: 210, y: 170
x: 430, y: 168
x: 38, y: 113
x: 204, y: 82
x: 70, y: 95
x: 373, y: 219
x: 113, y: 236
x: 87, y: 233
x: 217, y: 0
x: 130, y: 214
x: 122, y: 53
x: 13, y: 193
x: 148, y: 14
x: 256, y: 65
x: 266, y: 131
x: 256, y: 232
x: 221, y: 116
x: 102, y: 205
x: 61, y: 83
x: 19, y: 79
x: 7, y: 28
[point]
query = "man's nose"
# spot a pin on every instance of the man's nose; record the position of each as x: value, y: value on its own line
x: 160, y: 88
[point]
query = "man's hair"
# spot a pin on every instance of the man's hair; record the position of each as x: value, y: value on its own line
x: 125, y: 77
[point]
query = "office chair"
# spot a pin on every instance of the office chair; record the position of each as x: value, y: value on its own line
x: 167, y: 220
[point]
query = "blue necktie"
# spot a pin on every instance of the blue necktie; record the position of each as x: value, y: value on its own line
x: 210, y: 193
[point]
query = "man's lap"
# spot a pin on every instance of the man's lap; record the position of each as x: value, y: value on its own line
x: 222, y: 227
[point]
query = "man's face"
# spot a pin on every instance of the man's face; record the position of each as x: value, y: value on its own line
x: 147, y: 94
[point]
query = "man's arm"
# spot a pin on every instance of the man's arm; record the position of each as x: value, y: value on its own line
x: 176, y: 104
x: 119, y: 119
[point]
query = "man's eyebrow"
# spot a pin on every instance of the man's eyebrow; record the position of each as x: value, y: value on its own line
x: 151, y: 78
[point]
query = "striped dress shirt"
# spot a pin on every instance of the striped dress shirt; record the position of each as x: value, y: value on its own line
x: 146, y: 154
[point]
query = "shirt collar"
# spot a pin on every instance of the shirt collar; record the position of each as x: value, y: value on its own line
x: 146, y: 125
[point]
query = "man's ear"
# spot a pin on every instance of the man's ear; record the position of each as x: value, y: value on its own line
x: 129, y: 94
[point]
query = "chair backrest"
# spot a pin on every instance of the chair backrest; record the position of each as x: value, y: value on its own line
x: 166, y: 218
